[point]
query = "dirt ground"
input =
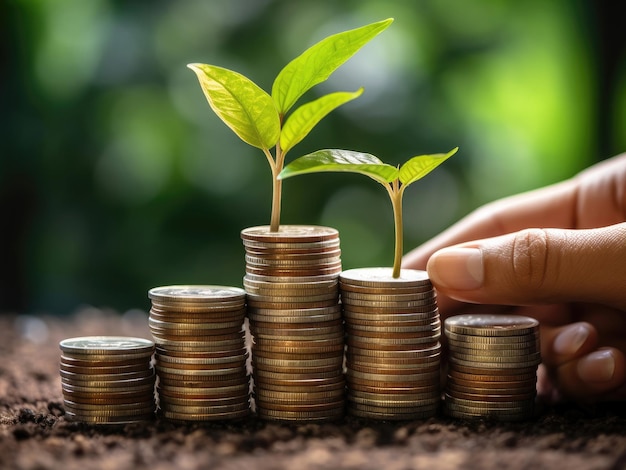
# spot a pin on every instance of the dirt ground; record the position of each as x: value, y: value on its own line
x: 35, y: 435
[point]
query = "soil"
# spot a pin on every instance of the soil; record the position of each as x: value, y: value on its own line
x: 35, y: 435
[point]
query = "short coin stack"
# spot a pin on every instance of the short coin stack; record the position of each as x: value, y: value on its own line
x: 200, y: 355
x: 493, y: 363
x: 107, y: 379
x: 393, y: 354
x: 295, y: 319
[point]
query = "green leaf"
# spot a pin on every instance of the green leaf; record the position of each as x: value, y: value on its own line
x: 243, y: 106
x: 418, y: 167
x: 341, y: 160
x: 318, y: 62
x: 306, y: 117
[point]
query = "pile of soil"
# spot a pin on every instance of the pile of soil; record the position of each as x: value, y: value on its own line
x: 35, y: 435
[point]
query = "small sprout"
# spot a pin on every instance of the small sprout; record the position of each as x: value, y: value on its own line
x: 394, y: 179
x: 261, y: 120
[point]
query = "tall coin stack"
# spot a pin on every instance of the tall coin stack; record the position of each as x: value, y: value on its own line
x: 200, y: 355
x: 493, y: 363
x: 292, y: 288
x: 393, y: 353
x: 107, y: 379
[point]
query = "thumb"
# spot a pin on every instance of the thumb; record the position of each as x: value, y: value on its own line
x: 536, y: 266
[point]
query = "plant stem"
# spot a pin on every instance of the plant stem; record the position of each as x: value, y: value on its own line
x: 396, y: 201
x: 277, y: 189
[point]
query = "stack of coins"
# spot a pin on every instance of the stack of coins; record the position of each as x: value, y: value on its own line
x: 200, y: 355
x: 107, y: 379
x: 393, y: 349
x: 492, y: 366
x: 295, y: 320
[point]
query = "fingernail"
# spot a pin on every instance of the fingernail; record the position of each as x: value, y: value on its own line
x: 457, y: 268
x: 571, y: 339
x: 598, y: 366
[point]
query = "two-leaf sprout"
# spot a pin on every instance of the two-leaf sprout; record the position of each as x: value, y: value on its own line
x: 394, y: 179
x: 261, y: 120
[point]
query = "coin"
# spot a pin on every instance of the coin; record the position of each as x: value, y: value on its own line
x: 107, y: 379
x: 382, y: 277
x: 492, y: 366
x: 491, y: 325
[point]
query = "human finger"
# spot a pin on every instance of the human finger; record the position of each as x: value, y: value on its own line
x: 536, y: 266
x: 594, y: 198
x: 598, y: 374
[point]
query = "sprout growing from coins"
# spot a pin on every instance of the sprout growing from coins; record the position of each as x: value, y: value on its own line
x: 261, y: 120
x: 394, y: 179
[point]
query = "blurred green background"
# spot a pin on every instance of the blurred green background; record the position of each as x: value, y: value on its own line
x: 116, y: 176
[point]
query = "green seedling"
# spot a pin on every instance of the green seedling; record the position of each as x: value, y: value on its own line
x: 261, y: 119
x: 394, y: 179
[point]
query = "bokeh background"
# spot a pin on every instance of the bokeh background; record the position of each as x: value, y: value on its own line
x: 116, y: 176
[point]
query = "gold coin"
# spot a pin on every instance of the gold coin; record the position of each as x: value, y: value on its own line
x: 383, y: 277
x: 325, y: 415
x: 97, y: 370
x: 198, y: 383
x: 294, y: 322
x: 290, y: 279
x: 292, y: 305
x: 290, y: 233
x: 260, y: 374
x: 106, y: 346
x: 492, y: 375
x: 393, y: 329
x: 393, y: 338
x: 373, y: 377
x: 110, y: 377
x: 492, y: 397
x: 461, y: 339
x: 288, y: 382
x: 243, y: 400
x: 430, y: 405
x: 351, y: 309
x: 193, y: 417
x: 296, y: 313
x: 512, y: 405
x: 491, y: 363
x: 288, y: 396
x: 347, y: 287
x: 291, y: 347
x: 108, y: 420
x: 387, y: 399
x: 491, y: 325
x: 86, y: 382
x: 391, y: 297
x: 108, y: 398
x: 210, y: 345
x: 166, y: 405
x: 193, y: 328
x: 198, y: 313
x: 111, y: 412
x: 392, y: 320
x: 391, y: 415
x: 333, y: 361
x: 390, y: 345
x: 216, y: 391
x: 504, y: 386
x: 302, y: 407
x: 196, y: 293
x: 428, y: 350
x: 508, y: 349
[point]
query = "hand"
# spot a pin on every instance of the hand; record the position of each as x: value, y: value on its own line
x: 557, y: 254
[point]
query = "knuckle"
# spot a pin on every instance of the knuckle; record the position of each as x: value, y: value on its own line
x: 530, y: 258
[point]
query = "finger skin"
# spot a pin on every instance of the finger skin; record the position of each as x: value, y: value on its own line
x: 571, y: 385
x: 539, y: 266
x: 594, y: 198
